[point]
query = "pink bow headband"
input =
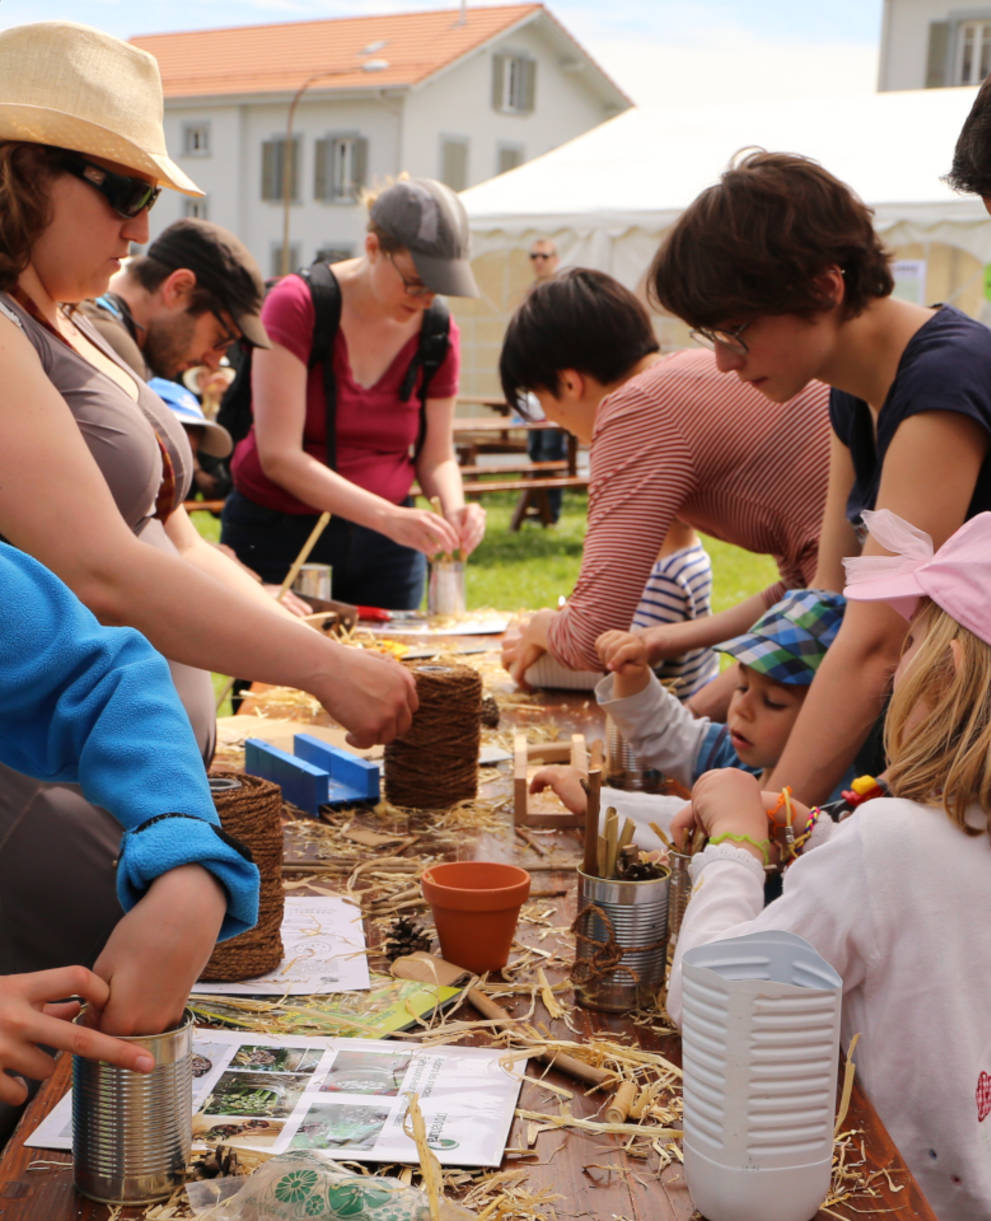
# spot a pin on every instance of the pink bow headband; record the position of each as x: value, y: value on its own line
x: 957, y: 576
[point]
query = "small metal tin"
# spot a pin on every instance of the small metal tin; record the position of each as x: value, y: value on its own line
x: 621, y: 942
x: 679, y: 893
x: 314, y: 581
x: 132, y: 1132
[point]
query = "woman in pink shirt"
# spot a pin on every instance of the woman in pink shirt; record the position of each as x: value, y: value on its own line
x: 416, y: 246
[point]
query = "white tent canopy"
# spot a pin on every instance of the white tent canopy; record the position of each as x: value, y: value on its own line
x: 608, y: 195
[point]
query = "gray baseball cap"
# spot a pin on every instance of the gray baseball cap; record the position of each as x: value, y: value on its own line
x: 432, y: 224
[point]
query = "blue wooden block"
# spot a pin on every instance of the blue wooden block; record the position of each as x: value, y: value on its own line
x: 302, y: 783
x: 352, y: 778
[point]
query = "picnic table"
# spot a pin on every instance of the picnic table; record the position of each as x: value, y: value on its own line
x: 583, y: 1174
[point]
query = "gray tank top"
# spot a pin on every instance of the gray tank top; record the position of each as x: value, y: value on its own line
x: 121, y: 435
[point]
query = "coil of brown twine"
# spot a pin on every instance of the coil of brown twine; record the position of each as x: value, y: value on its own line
x: 250, y: 809
x: 436, y: 764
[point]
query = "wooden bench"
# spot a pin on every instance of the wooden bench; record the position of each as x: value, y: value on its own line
x: 203, y: 506
x: 534, y: 501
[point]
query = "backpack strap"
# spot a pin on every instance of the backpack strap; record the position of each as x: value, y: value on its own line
x: 326, y: 294
x: 430, y: 354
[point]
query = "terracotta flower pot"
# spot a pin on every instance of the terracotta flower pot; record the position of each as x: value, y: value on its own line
x: 476, y: 905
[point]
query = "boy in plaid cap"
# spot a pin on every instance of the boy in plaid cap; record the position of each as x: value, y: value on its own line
x: 775, y: 661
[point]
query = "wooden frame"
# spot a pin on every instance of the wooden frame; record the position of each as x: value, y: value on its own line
x: 574, y: 752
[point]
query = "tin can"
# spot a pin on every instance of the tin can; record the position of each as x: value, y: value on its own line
x: 314, y: 581
x: 622, y: 768
x: 132, y: 1132
x: 621, y: 942
x: 679, y: 892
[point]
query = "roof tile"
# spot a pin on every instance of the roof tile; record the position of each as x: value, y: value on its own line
x: 279, y: 58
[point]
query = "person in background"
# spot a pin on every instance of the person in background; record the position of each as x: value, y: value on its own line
x: 546, y: 444
x: 889, y: 896
x: 668, y: 442
x: 206, y: 437
x: 778, y: 267
x: 183, y: 304
x: 94, y: 705
x: 95, y: 467
x: 381, y: 438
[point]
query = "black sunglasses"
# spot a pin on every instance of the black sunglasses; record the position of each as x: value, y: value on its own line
x: 128, y: 197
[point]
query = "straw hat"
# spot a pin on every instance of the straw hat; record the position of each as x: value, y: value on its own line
x: 74, y: 87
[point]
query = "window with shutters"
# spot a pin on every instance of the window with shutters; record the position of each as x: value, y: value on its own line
x: 292, y: 261
x: 508, y: 157
x: 514, y: 83
x: 340, y: 167
x: 454, y: 162
x: 196, y: 139
x: 196, y: 208
x: 973, y: 52
x: 274, y: 169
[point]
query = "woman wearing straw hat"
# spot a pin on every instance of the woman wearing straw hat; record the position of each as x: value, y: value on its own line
x: 95, y: 468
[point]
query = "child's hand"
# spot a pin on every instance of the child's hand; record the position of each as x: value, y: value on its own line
x: 625, y: 654
x: 28, y: 1017
x: 565, y: 780
x: 157, y: 951
x: 727, y: 801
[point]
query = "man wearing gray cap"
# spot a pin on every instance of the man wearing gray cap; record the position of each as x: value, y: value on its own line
x: 184, y: 303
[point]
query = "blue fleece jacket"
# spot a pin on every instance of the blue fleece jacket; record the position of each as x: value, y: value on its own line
x: 93, y: 705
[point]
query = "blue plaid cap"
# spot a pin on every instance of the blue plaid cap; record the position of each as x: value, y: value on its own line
x: 790, y: 639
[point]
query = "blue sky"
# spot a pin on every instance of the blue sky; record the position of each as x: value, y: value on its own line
x: 658, y: 50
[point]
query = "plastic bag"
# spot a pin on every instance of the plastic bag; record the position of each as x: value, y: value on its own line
x: 302, y: 1185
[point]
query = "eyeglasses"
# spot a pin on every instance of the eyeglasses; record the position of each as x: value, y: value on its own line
x: 730, y: 340
x: 128, y: 197
x: 228, y: 337
x: 413, y: 288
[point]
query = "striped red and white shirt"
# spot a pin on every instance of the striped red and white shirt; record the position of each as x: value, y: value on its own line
x: 684, y: 440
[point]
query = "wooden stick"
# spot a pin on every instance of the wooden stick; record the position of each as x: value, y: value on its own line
x: 304, y: 555
x: 612, y: 835
x: 619, y: 1108
x: 592, y: 787
x: 527, y: 838
x: 660, y: 835
x: 625, y: 836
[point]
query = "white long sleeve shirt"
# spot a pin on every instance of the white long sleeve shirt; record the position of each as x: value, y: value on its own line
x: 897, y: 900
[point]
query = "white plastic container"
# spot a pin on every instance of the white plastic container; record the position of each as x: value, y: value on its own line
x: 760, y: 1050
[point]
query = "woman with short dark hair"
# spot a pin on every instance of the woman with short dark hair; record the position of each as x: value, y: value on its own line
x: 778, y: 268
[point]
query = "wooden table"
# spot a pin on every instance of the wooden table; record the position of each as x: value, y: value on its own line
x: 590, y: 1175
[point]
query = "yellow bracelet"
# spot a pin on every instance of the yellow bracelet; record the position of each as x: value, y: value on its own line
x: 763, y: 844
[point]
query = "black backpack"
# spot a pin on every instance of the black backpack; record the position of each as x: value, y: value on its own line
x: 235, y: 407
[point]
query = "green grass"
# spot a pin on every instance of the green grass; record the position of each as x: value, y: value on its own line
x: 534, y: 566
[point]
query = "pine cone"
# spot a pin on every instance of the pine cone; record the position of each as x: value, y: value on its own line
x: 405, y: 937
x: 490, y: 712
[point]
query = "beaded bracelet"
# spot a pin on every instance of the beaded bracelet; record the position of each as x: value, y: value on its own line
x: 763, y: 844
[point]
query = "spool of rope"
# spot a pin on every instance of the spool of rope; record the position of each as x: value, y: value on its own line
x: 436, y: 764
x: 250, y: 809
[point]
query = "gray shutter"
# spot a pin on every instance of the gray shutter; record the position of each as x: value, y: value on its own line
x: 937, y: 55
x: 293, y: 154
x: 498, y: 81
x: 321, y: 169
x: 360, y: 165
x: 454, y: 164
x: 528, y: 93
x: 270, y: 170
